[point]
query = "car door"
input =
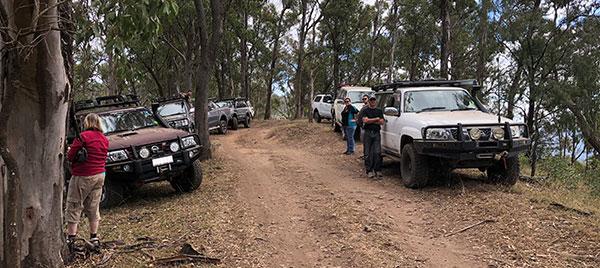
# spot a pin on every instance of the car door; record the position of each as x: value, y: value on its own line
x: 382, y: 100
x: 316, y: 104
x: 213, y: 115
x: 325, y: 106
x: 338, y: 106
x: 393, y: 125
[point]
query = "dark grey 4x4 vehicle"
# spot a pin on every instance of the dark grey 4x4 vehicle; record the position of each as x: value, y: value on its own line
x: 240, y: 111
x: 175, y: 112
x: 141, y: 149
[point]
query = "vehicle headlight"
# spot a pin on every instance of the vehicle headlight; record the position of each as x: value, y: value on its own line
x: 174, y: 147
x: 188, y: 141
x: 475, y: 133
x: 144, y: 153
x: 438, y: 134
x: 517, y: 131
x: 115, y: 156
x: 182, y: 123
x: 498, y: 133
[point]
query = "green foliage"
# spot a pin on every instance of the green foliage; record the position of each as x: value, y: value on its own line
x: 575, y: 177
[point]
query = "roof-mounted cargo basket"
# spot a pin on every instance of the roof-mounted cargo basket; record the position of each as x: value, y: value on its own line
x: 107, y: 101
x: 469, y: 84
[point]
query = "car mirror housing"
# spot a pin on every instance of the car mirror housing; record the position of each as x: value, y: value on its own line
x: 391, y: 111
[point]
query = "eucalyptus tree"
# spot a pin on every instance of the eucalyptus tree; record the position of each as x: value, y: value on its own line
x: 35, y: 89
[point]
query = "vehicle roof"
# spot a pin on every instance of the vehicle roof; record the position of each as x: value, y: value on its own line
x: 405, y: 89
x: 103, y: 110
x: 355, y: 88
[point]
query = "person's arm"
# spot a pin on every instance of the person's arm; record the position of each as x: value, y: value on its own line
x: 380, y: 119
x: 74, y: 148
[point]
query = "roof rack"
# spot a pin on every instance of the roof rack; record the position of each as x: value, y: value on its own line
x: 174, y: 98
x: 107, y: 101
x: 468, y: 84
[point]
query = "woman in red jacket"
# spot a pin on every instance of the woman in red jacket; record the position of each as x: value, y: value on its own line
x: 85, y: 186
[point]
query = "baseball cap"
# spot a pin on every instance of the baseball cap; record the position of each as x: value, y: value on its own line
x: 372, y: 98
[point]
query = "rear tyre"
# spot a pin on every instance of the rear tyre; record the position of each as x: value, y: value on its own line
x: 247, y: 121
x: 113, y: 194
x: 223, y: 126
x: 234, y: 123
x: 316, y: 116
x: 505, y: 174
x: 190, y: 180
x: 414, y: 168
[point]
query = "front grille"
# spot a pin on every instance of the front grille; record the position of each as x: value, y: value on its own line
x: 158, y: 149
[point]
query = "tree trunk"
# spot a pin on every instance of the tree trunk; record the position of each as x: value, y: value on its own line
x: 206, y: 60
x: 244, y: 54
x: 482, y: 53
x: 444, y: 53
x: 35, y: 89
x: 393, y: 33
x: 112, y: 83
x: 301, y: 40
x: 274, y: 54
x: 512, y: 92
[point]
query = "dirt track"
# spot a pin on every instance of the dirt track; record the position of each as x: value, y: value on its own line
x: 281, y: 194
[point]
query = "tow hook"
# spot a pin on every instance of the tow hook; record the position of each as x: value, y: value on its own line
x: 502, y: 157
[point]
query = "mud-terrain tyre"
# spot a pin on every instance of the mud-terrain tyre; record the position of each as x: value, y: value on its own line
x: 317, y: 117
x: 189, y: 180
x: 113, y: 194
x: 234, y: 123
x: 247, y: 121
x: 505, y: 175
x: 223, y: 126
x: 414, y: 168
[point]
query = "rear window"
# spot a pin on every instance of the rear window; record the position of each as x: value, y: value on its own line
x: 318, y: 99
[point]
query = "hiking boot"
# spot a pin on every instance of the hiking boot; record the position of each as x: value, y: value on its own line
x: 371, y: 174
x: 378, y: 175
x: 95, y: 244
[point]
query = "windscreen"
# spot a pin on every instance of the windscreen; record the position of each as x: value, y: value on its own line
x: 356, y: 96
x: 172, y: 108
x: 439, y: 100
x: 127, y: 120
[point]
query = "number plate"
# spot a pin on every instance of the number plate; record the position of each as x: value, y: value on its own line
x: 162, y: 161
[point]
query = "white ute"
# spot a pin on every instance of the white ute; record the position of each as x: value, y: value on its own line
x: 435, y: 126
x: 321, y: 107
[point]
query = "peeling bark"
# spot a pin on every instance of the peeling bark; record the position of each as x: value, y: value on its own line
x: 36, y: 90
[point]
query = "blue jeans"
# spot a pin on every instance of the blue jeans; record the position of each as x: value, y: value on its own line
x: 349, y: 132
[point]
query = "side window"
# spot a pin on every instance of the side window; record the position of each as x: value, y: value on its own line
x: 240, y: 104
x: 342, y: 94
x: 381, y: 100
x: 390, y: 101
x: 318, y: 99
x: 327, y: 98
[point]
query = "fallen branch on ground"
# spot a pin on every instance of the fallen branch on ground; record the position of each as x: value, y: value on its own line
x: 469, y: 227
x: 187, y: 254
x: 563, y: 207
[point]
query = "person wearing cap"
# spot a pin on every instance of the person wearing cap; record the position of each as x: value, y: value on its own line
x: 372, y: 118
x: 349, y: 124
x: 359, y: 123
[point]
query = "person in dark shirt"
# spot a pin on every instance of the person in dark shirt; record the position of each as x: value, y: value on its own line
x: 359, y: 123
x: 372, y: 118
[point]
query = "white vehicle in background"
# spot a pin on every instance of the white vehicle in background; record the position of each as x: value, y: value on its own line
x: 355, y: 94
x: 435, y: 126
x: 321, y: 107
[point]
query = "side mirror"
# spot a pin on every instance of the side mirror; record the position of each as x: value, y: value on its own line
x: 391, y: 111
x: 329, y: 101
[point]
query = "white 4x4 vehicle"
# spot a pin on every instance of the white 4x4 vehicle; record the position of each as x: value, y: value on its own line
x: 321, y: 107
x: 355, y: 94
x: 435, y: 126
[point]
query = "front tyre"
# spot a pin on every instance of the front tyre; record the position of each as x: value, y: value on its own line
x: 234, y: 123
x: 505, y: 171
x: 247, y: 121
x: 189, y: 180
x: 414, y: 168
x: 113, y: 194
x: 223, y: 126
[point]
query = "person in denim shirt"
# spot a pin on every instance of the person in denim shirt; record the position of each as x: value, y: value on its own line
x: 349, y: 124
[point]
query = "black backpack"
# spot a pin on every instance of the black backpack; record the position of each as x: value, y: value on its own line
x: 82, y: 153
